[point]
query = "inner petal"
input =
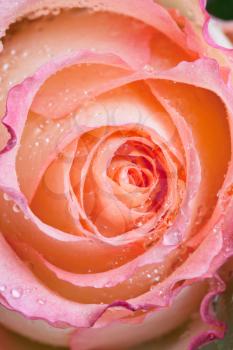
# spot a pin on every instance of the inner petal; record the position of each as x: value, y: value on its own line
x: 104, y: 195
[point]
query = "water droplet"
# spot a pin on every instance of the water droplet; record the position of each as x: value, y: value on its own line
x: 148, y: 68
x: 157, y: 279
x: 2, y: 289
x: 6, y: 197
x: 138, y: 223
x: 24, y: 54
x: 16, y: 208
x: 41, y: 301
x: 172, y: 238
x: 16, y: 293
x: 5, y: 67
x: 86, y: 93
x: 13, y: 52
x: 47, y: 140
x: 38, y: 130
x: 26, y: 217
x: 37, y: 143
x: 55, y: 11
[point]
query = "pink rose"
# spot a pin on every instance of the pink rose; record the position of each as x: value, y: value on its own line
x: 115, y: 173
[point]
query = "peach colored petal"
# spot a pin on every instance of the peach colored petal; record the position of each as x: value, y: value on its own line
x: 53, y: 200
x: 35, y: 301
x: 106, y: 336
x: 65, y: 91
x: 145, y: 13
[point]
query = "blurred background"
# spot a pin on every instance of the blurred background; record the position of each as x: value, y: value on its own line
x: 221, y: 8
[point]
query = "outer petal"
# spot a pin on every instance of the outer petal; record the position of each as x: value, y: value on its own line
x: 107, y: 337
x: 11, y: 341
x: 145, y: 12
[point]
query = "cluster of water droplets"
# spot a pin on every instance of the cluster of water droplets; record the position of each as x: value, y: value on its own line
x: 53, y: 10
x: 18, y: 292
x: 172, y: 238
x: 15, y: 208
x: 45, y: 11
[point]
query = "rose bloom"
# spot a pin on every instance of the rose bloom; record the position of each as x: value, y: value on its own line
x: 116, y: 187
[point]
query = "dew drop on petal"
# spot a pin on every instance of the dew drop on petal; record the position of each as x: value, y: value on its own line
x: 157, y: 279
x: 2, y: 289
x: 172, y: 238
x: 41, y: 301
x: 16, y: 293
x: 6, y: 197
x: 24, y: 53
x: 16, y: 208
x: 38, y: 130
x: 139, y: 222
x: 148, y: 68
x: 55, y: 11
x: 86, y: 93
x: 5, y: 67
x: 26, y: 217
